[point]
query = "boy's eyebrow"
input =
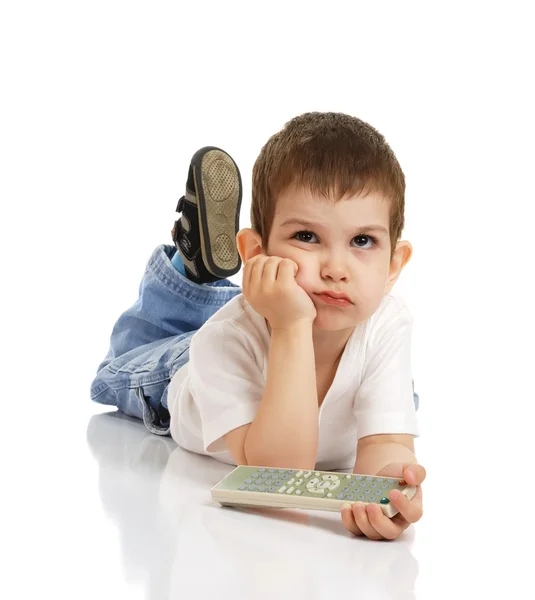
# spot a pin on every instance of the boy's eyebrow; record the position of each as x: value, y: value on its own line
x: 311, y: 225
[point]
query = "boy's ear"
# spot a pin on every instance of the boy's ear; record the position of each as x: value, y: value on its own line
x: 249, y: 244
x: 401, y: 257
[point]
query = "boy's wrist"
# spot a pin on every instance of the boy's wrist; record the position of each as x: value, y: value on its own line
x: 296, y: 326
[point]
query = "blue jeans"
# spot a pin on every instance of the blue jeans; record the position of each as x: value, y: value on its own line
x: 150, y: 341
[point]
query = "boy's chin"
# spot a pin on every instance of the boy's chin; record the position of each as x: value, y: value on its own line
x: 324, y: 322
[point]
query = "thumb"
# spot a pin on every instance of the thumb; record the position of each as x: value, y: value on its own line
x: 414, y: 474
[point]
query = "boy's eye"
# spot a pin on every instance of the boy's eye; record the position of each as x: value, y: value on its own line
x: 304, y: 236
x: 365, y: 238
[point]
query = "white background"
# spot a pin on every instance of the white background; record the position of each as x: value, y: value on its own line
x: 102, y: 105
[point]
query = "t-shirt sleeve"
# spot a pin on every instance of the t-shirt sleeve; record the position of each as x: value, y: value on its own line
x: 384, y: 403
x: 225, y: 380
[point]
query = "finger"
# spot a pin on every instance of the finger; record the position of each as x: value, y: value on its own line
x: 363, y: 522
x: 271, y: 267
x: 410, y: 510
x: 382, y: 524
x: 287, y: 270
x: 246, y: 277
x: 414, y: 474
x: 257, y: 269
x: 348, y: 520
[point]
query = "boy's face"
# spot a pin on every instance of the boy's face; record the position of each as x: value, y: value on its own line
x: 336, y: 251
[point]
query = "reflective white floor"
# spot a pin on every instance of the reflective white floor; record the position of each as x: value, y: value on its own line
x: 111, y: 511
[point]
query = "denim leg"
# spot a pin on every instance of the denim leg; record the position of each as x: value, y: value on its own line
x: 168, y: 304
x: 150, y: 341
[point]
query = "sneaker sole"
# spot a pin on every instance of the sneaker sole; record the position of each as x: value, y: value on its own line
x: 219, y: 195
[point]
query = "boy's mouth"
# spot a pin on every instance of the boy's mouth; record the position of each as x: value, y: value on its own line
x: 334, y: 298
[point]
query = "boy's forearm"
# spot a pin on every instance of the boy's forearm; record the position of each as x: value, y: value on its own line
x: 284, y: 432
x: 374, y: 457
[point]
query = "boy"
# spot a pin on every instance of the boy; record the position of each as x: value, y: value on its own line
x: 309, y: 366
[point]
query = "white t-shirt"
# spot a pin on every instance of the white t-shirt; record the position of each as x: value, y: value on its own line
x: 221, y: 386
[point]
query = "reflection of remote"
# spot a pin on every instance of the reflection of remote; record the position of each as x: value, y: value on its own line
x: 314, y: 490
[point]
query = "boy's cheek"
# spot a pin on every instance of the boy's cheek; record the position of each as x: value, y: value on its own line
x: 306, y: 281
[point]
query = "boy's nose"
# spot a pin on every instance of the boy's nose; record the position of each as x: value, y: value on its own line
x: 334, y: 270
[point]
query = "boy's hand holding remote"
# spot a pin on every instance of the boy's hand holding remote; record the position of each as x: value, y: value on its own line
x: 370, y: 521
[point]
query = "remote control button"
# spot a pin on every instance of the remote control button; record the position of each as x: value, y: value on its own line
x: 266, y: 476
x: 374, y: 484
x: 340, y: 496
x: 290, y: 490
x: 284, y: 477
x: 252, y: 488
x: 350, y: 497
x: 272, y: 471
x: 346, y: 489
x: 348, y: 476
x: 329, y: 495
x: 378, y: 493
x: 312, y: 482
x: 261, y: 470
x: 242, y: 487
x: 307, y: 474
x: 369, y: 478
x: 292, y: 480
x: 316, y: 491
x: 384, y: 501
x: 323, y: 485
x: 254, y: 475
x: 402, y: 482
x: 261, y: 488
x: 278, y: 482
x: 272, y: 489
x: 259, y: 481
x: 248, y: 481
x: 281, y: 471
x: 360, y: 497
x: 352, y: 483
x: 330, y: 477
x: 367, y: 492
x: 299, y: 482
x: 358, y: 477
x: 299, y: 473
x: 385, y: 486
x: 298, y: 492
x: 334, y: 485
x: 282, y: 489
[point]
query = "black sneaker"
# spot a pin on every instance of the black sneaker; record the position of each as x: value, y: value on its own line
x: 205, y: 235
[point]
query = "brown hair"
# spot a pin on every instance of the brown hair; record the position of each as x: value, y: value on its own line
x: 333, y: 154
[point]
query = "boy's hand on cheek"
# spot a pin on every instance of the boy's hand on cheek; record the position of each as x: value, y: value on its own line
x: 270, y: 287
x: 369, y: 520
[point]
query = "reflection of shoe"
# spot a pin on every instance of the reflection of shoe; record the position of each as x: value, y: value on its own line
x: 122, y: 441
x: 205, y: 235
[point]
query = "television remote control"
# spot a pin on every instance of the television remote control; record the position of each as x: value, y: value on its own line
x: 313, y: 490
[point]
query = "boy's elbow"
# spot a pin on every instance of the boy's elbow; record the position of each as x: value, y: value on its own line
x: 235, y: 443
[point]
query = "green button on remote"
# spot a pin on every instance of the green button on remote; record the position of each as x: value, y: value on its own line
x: 312, y: 490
